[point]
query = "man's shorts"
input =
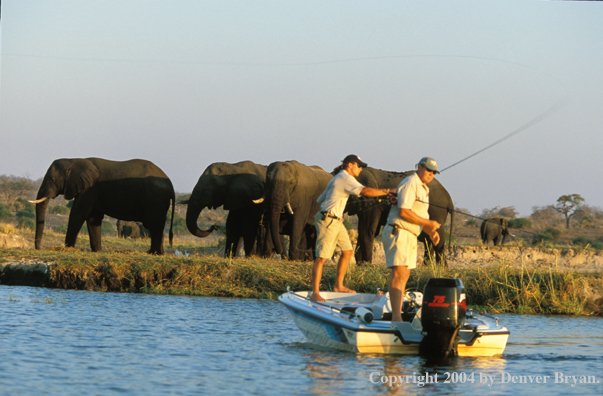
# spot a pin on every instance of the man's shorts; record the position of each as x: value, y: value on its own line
x: 330, y: 233
x: 400, y: 249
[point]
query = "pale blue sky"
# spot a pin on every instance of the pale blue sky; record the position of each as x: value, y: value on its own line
x: 187, y: 83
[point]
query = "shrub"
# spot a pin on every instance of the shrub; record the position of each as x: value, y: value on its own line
x: 26, y: 223
x: 22, y: 203
x: 60, y: 229
x: 179, y: 225
x: 26, y: 213
x: 597, y: 245
x: 582, y: 240
x: 59, y: 210
x: 5, y: 213
x: 520, y: 223
x: 108, y: 229
x: 471, y: 222
x: 548, y: 235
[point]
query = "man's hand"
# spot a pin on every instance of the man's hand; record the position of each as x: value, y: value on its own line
x: 432, y: 231
x: 435, y: 237
x: 431, y: 227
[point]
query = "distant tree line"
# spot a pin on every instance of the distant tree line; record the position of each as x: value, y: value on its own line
x: 545, y: 222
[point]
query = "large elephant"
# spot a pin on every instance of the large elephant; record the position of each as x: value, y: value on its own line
x: 131, y: 229
x: 134, y: 190
x: 292, y: 189
x: 493, y: 228
x: 372, y: 212
x: 234, y: 186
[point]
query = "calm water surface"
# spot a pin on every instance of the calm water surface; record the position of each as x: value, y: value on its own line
x: 64, y: 342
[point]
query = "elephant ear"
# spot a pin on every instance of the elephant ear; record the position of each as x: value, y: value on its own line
x: 242, y: 190
x: 80, y: 176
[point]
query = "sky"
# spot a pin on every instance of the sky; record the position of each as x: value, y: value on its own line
x: 190, y: 82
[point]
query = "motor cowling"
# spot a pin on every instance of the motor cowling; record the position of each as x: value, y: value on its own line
x: 443, y: 314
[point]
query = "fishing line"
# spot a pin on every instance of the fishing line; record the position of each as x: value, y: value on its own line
x: 541, y: 117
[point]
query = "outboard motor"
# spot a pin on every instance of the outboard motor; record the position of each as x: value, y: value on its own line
x: 443, y: 314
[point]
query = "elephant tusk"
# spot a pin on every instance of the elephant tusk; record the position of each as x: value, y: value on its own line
x: 39, y: 200
x: 512, y: 235
x: 288, y: 207
x: 258, y: 201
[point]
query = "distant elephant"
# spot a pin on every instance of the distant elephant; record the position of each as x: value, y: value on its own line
x: 131, y: 229
x: 292, y: 189
x: 493, y: 228
x: 134, y: 190
x: 234, y: 186
x: 372, y: 212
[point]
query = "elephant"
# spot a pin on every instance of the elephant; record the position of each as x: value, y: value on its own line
x: 234, y: 186
x: 291, y: 192
x: 134, y: 190
x: 131, y: 229
x: 493, y: 228
x: 372, y: 212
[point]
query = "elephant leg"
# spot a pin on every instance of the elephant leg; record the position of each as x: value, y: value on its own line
x: 249, y: 240
x: 82, y: 206
x: 156, y: 240
x: 495, y: 240
x: 295, y: 241
x: 73, y: 228
x: 366, y: 237
x: 94, y: 223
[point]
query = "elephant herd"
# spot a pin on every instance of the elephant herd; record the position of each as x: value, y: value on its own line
x: 264, y: 203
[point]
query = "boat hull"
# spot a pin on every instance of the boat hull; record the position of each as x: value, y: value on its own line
x: 329, y: 327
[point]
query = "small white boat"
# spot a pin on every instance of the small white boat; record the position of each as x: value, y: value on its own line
x: 435, y: 326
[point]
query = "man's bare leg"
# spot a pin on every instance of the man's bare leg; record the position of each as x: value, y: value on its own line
x: 342, y: 269
x: 316, y: 277
x: 400, y: 275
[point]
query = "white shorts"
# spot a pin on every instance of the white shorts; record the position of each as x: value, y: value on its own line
x: 400, y: 249
x: 330, y: 233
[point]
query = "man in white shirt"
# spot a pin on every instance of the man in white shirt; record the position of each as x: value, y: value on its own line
x: 405, y: 221
x: 329, y: 222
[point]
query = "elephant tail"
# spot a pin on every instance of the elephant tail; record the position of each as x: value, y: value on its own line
x: 451, y: 211
x: 171, y: 234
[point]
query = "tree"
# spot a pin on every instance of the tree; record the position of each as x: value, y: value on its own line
x: 588, y: 217
x: 568, y: 205
x: 13, y: 187
x: 507, y: 212
x: 545, y: 216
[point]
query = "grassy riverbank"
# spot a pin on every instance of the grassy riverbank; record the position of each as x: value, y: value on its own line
x: 496, y: 288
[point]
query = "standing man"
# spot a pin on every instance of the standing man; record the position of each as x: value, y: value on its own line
x: 329, y: 221
x: 405, y: 221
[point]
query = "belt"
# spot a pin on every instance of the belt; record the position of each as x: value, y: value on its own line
x: 329, y: 215
x: 396, y: 228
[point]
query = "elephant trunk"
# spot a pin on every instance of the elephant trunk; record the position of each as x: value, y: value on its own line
x: 277, y: 203
x: 40, y: 219
x: 192, y: 214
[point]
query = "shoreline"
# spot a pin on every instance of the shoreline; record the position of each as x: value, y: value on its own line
x: 498, y: 285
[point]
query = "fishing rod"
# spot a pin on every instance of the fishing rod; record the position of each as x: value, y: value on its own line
x: 539, y: 118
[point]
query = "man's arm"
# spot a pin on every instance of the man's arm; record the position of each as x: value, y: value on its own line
x: 429, y: 226
x: 375, y: 192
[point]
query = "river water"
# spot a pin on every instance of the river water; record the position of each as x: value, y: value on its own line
x: 65, y: 342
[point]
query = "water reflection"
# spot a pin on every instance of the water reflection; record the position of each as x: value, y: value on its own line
x: 73, y: 342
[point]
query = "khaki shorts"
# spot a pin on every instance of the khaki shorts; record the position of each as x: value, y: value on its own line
x: 400, y: 249
x: 330, y: 233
